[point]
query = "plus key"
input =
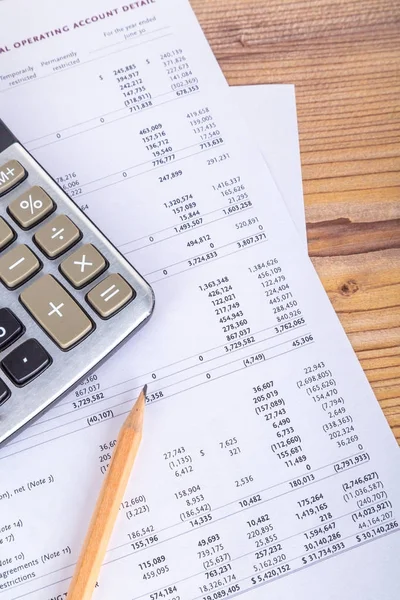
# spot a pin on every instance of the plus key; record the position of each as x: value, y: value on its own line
x: 56, y: 312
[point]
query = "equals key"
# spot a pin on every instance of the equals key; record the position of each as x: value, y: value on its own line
x: 109, y: 296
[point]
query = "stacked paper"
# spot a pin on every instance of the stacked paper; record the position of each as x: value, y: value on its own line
x: 267, y: 465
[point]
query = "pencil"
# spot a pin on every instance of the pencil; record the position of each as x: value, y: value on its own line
x: 108, y: 503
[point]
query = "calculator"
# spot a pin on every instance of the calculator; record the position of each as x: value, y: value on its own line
x: 68, y: 297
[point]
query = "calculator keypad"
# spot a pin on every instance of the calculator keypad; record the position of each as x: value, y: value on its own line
x: 57, y: 236
x: 52, y: 327
x: 56, y: 311
x: 83, y: 265
x: 18, y: 265
x: 110, y: 295
x: 31, y: 207
x: 6, y: 234
x: 26, y: 362
x: 11, y: 174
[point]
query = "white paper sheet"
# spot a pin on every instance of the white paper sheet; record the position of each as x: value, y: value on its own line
x: 270, y: 113
x: 265, y: 452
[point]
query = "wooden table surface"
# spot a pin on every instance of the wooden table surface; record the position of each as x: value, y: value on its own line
x: 344, y: 59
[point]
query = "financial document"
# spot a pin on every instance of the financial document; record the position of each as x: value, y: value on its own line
x: 267, y: 466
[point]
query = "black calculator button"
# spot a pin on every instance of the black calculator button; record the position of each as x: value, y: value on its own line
x: 26, y: 362
x: 10, y: 327
x: 4, y: 392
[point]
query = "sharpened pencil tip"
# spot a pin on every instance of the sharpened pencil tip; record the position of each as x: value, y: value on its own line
x: 144, y: 390
x: 135, y: 418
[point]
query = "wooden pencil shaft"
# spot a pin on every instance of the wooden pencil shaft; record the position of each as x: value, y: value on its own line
x: 107, y: 507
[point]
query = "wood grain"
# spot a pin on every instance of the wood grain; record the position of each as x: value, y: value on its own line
x: 344, y: 59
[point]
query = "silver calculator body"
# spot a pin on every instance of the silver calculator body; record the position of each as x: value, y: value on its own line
x: 57, y: 359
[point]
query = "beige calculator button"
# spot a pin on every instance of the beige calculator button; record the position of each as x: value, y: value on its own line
x: 6, y: 234
x: 11, y: 174
x: 83, y: 265
x: 57, y: 236
x: 110, y: 295
x: 56, y: 311
x: 17, y: 265
x: 30, y: 208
